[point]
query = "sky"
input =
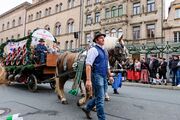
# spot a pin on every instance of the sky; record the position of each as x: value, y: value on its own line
x: 8, y: 4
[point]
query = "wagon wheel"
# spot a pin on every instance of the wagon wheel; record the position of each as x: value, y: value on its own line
x: 53, y: 85
x: 32, y: 83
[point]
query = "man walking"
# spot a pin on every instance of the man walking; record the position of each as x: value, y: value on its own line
x: 96, y: 73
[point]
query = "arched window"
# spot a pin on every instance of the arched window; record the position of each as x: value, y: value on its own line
x: 40, y: 14
x: 69, y: 3
x: 31, y: 17
x: 46, y: 12
x: 12, y: 37
x: 119, y: 32
x: 66, y: 45
x: 19, y: 21
x: 47, y: 28
x: 57, y: 8
x: 120, y: 10
x: 108, y: 13
x: 107, y: 33
x: 49, y: 12
x: 7, y: 25
x: 3, y: 27
x: 71, y: 44
x: 60, y: 7
x: 113, y: 33
x: 37, y: 15
x: 70, y: 25
x: 57, y: 28
x: 13, y: 23
x: 114, y: 11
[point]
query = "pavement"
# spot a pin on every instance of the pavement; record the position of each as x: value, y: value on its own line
x: 168, y: 86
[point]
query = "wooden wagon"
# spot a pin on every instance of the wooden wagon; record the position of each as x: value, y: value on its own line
x: 22, y: 64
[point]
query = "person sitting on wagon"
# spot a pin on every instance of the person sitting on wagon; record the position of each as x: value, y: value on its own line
x: 41, y: 49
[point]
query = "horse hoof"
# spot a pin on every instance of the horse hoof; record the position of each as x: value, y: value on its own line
x: 107, y: 99
x: 64, y: 102
x: 59, y: 97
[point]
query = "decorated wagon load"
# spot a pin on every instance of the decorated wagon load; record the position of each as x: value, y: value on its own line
x: 21, y: 59
x: 21, y: 51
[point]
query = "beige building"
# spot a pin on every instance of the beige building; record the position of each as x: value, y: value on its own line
x: 140, y: 21
x: 12, y: 23
x: 60, y: 17
x: 172, y: 24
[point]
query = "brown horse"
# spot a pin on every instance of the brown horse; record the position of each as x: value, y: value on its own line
x: 65, y: 61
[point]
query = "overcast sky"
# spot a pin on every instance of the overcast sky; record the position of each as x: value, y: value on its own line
x: 8, y: 4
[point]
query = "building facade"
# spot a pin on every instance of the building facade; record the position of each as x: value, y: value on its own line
x: 140, y: 21
x: 172, y: 23
x: 60, y: 17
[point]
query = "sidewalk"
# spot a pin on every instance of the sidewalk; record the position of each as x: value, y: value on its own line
x: 126, y: 83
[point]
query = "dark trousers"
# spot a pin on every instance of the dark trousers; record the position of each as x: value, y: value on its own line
x: 174, y: 82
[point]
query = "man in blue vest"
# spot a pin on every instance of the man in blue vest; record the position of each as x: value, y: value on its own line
x: 97, y: 71
x: 42, y: 50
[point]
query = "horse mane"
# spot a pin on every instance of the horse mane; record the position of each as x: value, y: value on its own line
x: 110, y: 42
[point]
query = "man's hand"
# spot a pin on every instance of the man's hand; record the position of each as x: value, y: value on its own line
x: 88, y: 84
x: 111, y: 80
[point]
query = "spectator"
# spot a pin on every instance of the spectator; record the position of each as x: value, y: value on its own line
x: 178, y: 73
x: 153, y: 65
x: 163, y: 70
x: 137, y: 70
x: 144, y: 71
x: 174, y: 69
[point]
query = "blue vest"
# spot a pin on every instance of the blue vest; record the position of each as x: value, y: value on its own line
x: 100, y: 65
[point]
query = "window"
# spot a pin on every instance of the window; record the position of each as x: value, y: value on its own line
x: 3, y: 27
x: 7, y: 25
x: 136, y: 32
x: 12, y: 37
x: 71, y: 3
x: 19, y: 21
x: 70, y: 26
x: 58, y: 29
x: 97, y: 17
x: 71, y: 44
x: 107, y: 13
x: 31, y: 17
x: 49, y: 12
x: 37, y: 15
x: 178, y: 13
x: 88, y: 19
x: 57, y: 8
x: 60, y: 7
x: 66, y: 45
x: 88, y: 2
x: 136, y: 8
x: 7, y: 38
x: 47, y: 28
x: 119, y: 33
x: 120, y: 10
x: 151, y: 31
x: 18, y: 36
x: 114, y: 12
x: 113, y: 33
x: 87, y: 38
x: 177, y: 36
x: 46, y: 12
x: 150, y: 5
x: 40, y: 14
x: 97, y: 1
x: 13, y: 23
x: 107, y: 33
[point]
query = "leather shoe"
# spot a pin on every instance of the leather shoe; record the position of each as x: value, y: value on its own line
x: 88, y: 115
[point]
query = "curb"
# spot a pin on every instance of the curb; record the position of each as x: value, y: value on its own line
x: 151, y: 86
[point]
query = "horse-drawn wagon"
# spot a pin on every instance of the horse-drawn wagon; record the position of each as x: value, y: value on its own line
x: 22, y: 61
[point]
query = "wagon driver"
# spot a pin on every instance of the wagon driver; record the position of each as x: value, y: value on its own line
x: 42, y: 50
x: 97, y: 71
